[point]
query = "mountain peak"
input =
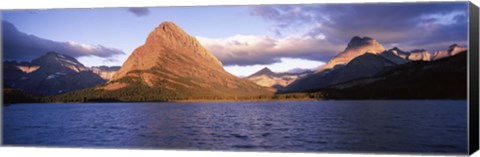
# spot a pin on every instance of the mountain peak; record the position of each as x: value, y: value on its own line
x: 361, y: 41
x: 168, y: 42
x: 168, y: 32
x: 356, y: 47
x: 452, y: 50
x: 396, y: 49
x: 55, y: 55
x: 264, y: 71
x: 54, y: 72
x: 55, y: 61
x: 168, y: 26
x: 171, y: 64
x: 454, y: 45
x: 52, y: 54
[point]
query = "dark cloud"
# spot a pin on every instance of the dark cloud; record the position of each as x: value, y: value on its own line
x: 21, y: 46
x: 139, y: 11
x: 322, y: 31
x: 422, y: 25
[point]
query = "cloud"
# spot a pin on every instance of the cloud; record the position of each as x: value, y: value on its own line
x: 319, y: 32
x: 420, y: 25
x: 245, y: 50
x: 21, y: 46
x: 139, y: 11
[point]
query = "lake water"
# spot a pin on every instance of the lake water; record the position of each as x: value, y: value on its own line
x: 331, y: 126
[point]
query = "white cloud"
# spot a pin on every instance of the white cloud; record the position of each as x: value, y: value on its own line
x: 263, y: 50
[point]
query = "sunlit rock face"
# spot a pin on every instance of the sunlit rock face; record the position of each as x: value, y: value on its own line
x: 419, y: 55
x: 356, y: 47
x: 175, y: 63
x: 28, y: 69
x: 451, y: 51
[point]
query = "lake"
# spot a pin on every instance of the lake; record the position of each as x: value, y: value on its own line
x: 299, y: 126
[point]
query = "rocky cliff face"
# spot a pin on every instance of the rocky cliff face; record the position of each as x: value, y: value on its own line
x: 419, y: 55
x: 451, y: 51
x: 356, y: 47
x: 175, y: 65
x: 50, y: 74
x: 168, y: 44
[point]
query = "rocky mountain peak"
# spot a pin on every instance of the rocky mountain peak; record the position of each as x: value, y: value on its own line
x: 169, y: 26
x: 264, y: 71
x: 54, y: 61
x: 396, y: 49
x: 361, y: 41
x: 455, y: 48
x: 356, y: 47
x: 168, y: 43
x: 452, y: 50
x: 173, y: 64
x: 166, y: 32
x: 49, y: 56
x: 54, y: 72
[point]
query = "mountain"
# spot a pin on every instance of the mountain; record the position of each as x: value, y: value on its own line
x: 267, y: 78
x: 361, y: 66
x: 451, y: 51
x: 365, y: 65
x: 419, y: 55
x: 444, y: 78
x: 396, y: 55
x: 400, y: 57
x: 264, y: 71
x: 106, y: 72
x: 172, y: 65
x: 50, y: 74
x: 356, y: 47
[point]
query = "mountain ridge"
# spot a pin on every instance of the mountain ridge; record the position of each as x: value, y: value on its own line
x: 172, y: 65
x: 356, y: 46
x: 50, y: 74
x: 267, y: 78
x: 328, y: 75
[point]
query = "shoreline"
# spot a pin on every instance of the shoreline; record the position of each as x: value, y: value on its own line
x: 219, y: 101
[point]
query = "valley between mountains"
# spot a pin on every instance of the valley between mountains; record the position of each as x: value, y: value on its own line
x: 173, y: 66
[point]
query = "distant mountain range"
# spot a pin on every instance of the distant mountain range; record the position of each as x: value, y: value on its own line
x: 172, y: 65
x: 267, y: 78
x: 50, y: 74
x: 106, y: 72
x: 363, y: 57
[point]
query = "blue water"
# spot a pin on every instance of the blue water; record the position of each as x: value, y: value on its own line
x: 332, y: 126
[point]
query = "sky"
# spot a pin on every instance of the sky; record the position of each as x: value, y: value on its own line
x: 244, y: 38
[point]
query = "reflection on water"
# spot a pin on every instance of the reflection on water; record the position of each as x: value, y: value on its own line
x: 334, y: 126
